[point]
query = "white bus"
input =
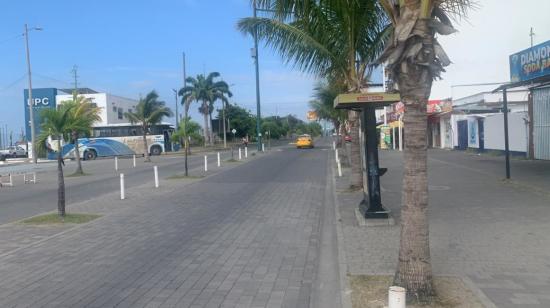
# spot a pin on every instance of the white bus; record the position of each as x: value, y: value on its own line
x: 119, y: 140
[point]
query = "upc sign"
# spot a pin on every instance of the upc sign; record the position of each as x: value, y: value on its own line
x: 44, y: 101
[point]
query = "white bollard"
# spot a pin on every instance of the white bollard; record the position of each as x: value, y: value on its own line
x: 205, y: 163
x: 393, y: 138
x: 396, y: 297
x: 156, y: 170
x: 336, y: 155
x: 116, y: 163
x: 134, y: 160
x: 339, y: 168
x: 333, y: 145
x: 263, y: 147
x: 240, y: 156
x: 122, y: 195
x: 219, y: 162
x: 245, y: 152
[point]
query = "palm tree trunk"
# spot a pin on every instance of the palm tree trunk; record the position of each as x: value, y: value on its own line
x: 355, y: 152
x: 60, y: 181
x: 145, y: 147
x: 211, y: 130
x: 205, y: 118
x: 414, y: 271
x: 77, y: 154
x: 186, y: 141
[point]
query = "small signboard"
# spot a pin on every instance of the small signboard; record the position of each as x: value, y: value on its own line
x: 359, y: 100
x: 530, y: 63
x: 234, y: 131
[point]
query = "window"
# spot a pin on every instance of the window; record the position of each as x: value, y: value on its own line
x: 114, y: 109
x: 120, y: 114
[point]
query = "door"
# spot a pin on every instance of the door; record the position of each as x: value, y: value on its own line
x: 481, y: 134
x: 462, y: 127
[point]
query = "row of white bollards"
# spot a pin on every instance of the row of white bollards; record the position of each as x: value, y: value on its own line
x: 133, y: 162
x: 122, y: 184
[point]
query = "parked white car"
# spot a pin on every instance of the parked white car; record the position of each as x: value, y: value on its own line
x: 13, y: 151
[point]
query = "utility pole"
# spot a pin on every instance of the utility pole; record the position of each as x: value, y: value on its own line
x: 532, y: 34
x: 30, y: 101
x: 177, y: 114
x: 75, y: 76
x: 185, y: 111
x: 255, y: 56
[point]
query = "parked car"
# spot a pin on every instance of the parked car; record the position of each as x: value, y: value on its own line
x: 304, y: 141
x: 13, y: 151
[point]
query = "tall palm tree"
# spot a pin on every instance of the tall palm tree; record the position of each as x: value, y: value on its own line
x: 149, y: 112
x: 337, y: 40
x: 324, y: 94
x: 414, y: 59
x: 206, y: 91
x: 57, y: 123
x: 83, y: 116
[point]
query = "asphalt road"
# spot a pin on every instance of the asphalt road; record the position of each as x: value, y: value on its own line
x: 27, y: 200
x: 259, y: 234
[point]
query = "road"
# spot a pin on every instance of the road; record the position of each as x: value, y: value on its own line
x: 259, y: 234
x: 23, y: 201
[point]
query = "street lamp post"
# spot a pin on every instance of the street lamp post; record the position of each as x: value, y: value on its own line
x: 30, y: 101
x: 255, y: 56
x: 177, y: 114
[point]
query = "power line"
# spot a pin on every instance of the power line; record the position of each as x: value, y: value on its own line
x: 11, y: 38
x: 13, y: 83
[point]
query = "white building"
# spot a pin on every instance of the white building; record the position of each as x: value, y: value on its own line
x: 477, y: 122
x: 112, y: 107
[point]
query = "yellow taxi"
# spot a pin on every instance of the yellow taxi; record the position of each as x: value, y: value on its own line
x: 304, y: 141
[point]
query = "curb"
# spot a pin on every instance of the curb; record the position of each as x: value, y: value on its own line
x: 345, y: 288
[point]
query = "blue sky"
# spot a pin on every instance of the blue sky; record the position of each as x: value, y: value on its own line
x: 131, y: 47
x: 128, y: 48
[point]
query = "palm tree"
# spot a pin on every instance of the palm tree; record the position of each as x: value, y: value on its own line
x: 323, y: 104
x: 337, y: 40
x: 57, y: 123
x: 414, y: 59
x: 206, y: 91
x: 83, y: 116
x: 149, y: 112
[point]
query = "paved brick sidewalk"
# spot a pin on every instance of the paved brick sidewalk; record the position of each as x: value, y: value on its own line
x: 247, y: 237
x: 494, y: 233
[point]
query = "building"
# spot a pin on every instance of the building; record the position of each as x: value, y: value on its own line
x: 530, y: 69
x: 477, y: 122
x: 112, y: 107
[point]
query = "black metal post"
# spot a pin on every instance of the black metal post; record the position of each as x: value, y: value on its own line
x: 506, y: 143
x: 371, y: 206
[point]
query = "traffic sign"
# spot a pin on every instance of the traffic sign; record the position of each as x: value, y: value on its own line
x: 359, y: 100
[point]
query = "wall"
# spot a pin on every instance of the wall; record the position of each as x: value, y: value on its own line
x: 473, y: 132
x: 122, y: 103
x: 446, y: 132
x: 109, y: 105
x: 517, y: 132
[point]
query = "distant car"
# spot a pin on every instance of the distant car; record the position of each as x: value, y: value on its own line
x: 13, y: 151
x: 347, y: 138
x: 304, y: 141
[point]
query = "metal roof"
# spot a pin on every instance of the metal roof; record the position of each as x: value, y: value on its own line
x: 532, y: 83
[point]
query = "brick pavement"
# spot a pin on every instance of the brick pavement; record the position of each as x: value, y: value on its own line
x: 246, y: 237
x: 494, y: 233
